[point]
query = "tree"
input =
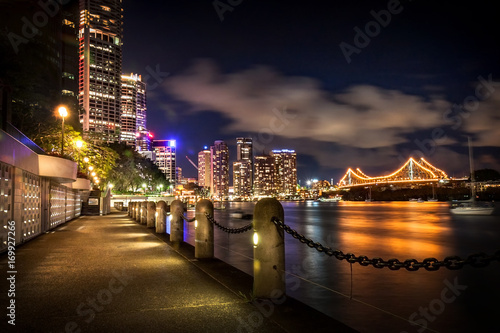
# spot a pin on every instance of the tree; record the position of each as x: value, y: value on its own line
x: 101, y: 157
x: 132, y: 170
x: 486, y: 174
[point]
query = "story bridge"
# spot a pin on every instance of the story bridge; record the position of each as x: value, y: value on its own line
x: 412, y: 171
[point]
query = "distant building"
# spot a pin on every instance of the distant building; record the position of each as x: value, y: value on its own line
x: 165, y: 152
x: 133, y: 113
x: 219, y: 186
x: 244, y: 150
x: 100, y: 68
x: 242, y: 178
x: 263, y: 184
x: 243, y: 168
x: 285, y: 171
x: 143, y: 141
x: 178, y: 175
x: 204, y: 168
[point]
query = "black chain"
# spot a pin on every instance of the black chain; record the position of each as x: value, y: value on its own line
x: 229, y: 230
x: 188, y: 220
x: 431, y: 264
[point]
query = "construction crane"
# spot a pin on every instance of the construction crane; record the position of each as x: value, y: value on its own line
x: 192, y: 162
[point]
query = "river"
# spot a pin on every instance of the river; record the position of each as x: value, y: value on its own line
x: 380, y: 300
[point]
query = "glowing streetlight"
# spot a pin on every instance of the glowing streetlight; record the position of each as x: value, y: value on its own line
x: 63, y: 112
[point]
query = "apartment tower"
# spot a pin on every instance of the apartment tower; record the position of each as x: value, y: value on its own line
x: 204, y: 168
x: 219, y: 175
x: 100, y: 68
x: 243, y: 168
x: 133, y: 113
x: 165, y: 152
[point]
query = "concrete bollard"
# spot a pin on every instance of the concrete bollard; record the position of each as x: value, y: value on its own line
x: 269, y: 250
x: 150, y: 214
x: 138, y: 212
x: 134, y: 211
x: 204, y: 235
x: 161, y: 217
x: 129, y: 212
x: 144, y: 212
x: 176, y: 222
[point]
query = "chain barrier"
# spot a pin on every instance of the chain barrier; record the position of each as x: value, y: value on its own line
x: 431, y: 264
x: 188, y: 220
x: 229, y: 230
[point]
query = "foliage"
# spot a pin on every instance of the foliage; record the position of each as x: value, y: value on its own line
x: 133, y: 170
x: 484, y: 175
x: 100, y: 157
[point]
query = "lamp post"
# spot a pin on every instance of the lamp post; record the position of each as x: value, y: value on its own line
x: 63, y: 112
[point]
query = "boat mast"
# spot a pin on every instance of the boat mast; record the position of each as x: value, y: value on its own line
x: 471, y: 163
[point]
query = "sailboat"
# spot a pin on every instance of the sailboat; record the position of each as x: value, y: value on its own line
x: 471, y: 206
x: 369, y: 198
x: 433, y: 199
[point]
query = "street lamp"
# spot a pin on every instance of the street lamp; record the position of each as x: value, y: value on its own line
x: 63, y: 112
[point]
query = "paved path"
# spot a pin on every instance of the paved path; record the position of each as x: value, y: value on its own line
x: 110, y: 274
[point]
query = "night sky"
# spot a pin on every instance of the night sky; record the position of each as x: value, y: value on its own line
x: 345, y: 83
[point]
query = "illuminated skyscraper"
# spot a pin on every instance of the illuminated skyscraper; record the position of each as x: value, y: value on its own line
x: 133, y: 113
x: 244, y: 149
x: 285, y: 171
x: 263, y: 184
x: 100, y: 68
x: 165, y: 152
x: 242, y: 178
x: 204, y: 168
x: 219, y: 187
x: 243, y: 168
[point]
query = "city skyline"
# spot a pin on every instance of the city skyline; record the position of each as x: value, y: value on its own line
x: 364, y: 85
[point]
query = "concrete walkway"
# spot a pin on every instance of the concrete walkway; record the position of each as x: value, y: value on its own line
x: 110, y: 274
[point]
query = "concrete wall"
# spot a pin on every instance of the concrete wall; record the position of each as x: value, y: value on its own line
x: 33, y: 199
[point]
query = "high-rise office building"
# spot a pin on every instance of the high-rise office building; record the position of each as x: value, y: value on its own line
x: 285, y: 171
x: 165, y: 152
x: 219, y: 187
x: 100, y: 68
x: 39, y: 60
x: 244, y: 149
x: 204, y: 168
x: 263, y: 184
x: 243, y: 168
x: 133, y: 113
x: 242, y: 178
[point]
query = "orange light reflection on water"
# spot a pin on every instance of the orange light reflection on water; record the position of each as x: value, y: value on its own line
x: 411, y: 230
